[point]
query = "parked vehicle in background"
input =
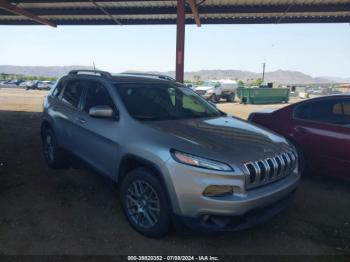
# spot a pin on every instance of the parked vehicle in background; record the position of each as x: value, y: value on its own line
x: 24, y: 84
x: 32, y: 85
x: 15, y: 82
x: 10, y: 83
x: 191, y: 85
x: 320, y: 130
x: 214, y: 90
x: 176, y: 158
x: 45, y: 85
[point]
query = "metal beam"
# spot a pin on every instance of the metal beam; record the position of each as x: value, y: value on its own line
x: 251, y: 20
x: 19, y: 11
x: 180, y: 40
x: 195, y: 13
x: 103, y: 10
x: 202, y: 9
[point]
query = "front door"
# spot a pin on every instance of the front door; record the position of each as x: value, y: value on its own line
x: 323, y: 128
x: 98, y: 137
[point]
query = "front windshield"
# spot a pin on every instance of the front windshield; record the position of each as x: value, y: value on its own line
x: 164, y: 102
x: 210, y: 83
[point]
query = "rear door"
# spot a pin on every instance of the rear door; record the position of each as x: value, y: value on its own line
x: 66, y: 112
x: 323, y: 129
x: 98, y: 138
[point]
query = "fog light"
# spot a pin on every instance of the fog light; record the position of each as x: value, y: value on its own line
x: 216, y: 191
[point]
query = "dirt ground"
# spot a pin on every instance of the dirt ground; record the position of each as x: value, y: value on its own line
x: 75, y: 211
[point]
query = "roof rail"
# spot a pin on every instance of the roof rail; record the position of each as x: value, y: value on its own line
x: 93, y: 72
x: 160, y: 76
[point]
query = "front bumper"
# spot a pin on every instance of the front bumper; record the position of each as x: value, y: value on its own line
x: 186, y: 185
x: 214, y: 223
x: 205, y: 95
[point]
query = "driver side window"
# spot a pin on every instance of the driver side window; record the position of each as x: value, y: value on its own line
x: 97, y: 95
x: 329, y: 112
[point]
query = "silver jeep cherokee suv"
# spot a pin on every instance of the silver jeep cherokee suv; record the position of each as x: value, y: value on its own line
x: 177, y: 159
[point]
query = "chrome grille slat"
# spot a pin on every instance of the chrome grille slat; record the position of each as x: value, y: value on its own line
x: 267, y: 169
x: 282, y: 165
x: 289, y: 160
x: 276, y: 166
x: 264, y: 171
x: 271, y: 167
x: 293, y: 160
x: 258, y: 171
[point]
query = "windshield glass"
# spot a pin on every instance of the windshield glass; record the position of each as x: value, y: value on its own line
x: 164, y: 102
x: 210, y: 83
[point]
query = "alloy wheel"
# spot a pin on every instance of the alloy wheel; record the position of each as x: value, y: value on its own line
x: 142, y: 204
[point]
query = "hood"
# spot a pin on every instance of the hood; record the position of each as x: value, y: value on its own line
x: 224, y: 138
x: 204, y: 88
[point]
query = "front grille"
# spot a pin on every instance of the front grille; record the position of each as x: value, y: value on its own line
x: 267, y: 170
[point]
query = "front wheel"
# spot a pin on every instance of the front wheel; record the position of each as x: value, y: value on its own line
x: 53, y: 155
x: 214, y: 98
x: 145, y: 203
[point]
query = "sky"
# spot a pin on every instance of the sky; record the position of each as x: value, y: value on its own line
x: 314, y: 49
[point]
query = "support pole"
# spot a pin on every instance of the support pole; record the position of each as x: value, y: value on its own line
x: 180, y: 40
x: 263, y: 74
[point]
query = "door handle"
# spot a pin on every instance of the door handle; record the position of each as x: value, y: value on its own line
x: 81, y: 120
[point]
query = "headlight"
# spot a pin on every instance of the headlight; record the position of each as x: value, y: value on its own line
x: 196, y: 161
x: 210, y: 91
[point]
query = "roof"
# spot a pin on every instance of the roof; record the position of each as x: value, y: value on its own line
x: 124, y: 77
x: 137, y: 12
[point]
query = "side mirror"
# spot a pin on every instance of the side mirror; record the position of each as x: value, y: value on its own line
x: 101, y: 112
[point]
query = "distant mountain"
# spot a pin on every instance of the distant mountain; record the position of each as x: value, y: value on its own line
x: 48, y: 71
x: 344, y: 80
x: 279, y: 76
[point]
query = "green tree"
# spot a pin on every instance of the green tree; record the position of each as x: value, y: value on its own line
x: 256, y: 82
x: 240, y: 83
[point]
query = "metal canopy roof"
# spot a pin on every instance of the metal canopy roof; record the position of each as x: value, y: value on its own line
x: 137, y: 12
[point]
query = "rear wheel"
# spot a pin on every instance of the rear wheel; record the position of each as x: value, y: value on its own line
x: 145, y: 203
x: 231, y: 98
x: 54, y: 156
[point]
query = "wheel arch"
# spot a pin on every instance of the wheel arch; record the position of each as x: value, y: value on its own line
x: 130, y: 162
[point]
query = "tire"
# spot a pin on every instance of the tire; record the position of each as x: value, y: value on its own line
x: 214, y: 98
x: 54, y: 156
x: 145, y: 203
x: 231, y: 98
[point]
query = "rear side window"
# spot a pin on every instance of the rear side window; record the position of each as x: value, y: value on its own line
x: 72, y: 93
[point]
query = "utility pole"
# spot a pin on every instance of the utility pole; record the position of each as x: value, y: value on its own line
x: 263, y: 74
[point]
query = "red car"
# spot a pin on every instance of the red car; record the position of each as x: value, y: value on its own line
x: 320, y: 130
